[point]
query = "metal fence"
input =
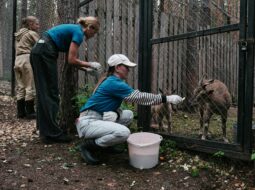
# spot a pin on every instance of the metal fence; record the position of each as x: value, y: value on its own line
x: 186, y: 40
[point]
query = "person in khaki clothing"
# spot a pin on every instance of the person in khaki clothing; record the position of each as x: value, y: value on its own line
x: 25, y: 38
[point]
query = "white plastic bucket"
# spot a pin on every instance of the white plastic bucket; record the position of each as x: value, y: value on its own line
x: 143, y: 149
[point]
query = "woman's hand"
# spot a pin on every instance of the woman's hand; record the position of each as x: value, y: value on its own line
x: 97, y: 66
x: 174, y: 99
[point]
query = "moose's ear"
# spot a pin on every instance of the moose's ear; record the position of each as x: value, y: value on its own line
x: 210, y: 81
x: 204, y: 85
x: 210, y: 92
x: 161, y: 91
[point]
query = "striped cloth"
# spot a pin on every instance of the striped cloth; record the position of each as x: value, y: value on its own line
x: 144, y: 98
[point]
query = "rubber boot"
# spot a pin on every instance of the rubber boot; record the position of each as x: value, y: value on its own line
x: 87, y: 148
x: 30, y: 111
x: 21, y: 111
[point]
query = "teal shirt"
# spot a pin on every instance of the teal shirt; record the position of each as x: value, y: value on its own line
x: 108, y: 96
x: 64, y: 34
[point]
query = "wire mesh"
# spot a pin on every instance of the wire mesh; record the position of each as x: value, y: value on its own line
x: 179, y: 64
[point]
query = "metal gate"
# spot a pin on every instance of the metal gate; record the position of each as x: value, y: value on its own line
x: 174, y: 52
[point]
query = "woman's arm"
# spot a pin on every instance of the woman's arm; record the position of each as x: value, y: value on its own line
x: 73, y: 56
x: 147, y: 99
x: 144, y: 98
x: 83, y: 65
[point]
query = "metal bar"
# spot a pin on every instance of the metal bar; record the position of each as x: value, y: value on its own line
x: 249, y: 74
x: 241, y: 77
x: 81, y: 4
x: 144, y: 60
x: 14, y: 14
x: 230, y: 150
x: 140, y: 119
x: 228, y: 28
x: 209, y: 143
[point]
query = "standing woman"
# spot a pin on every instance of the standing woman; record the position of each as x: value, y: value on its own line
x: 62, y: 38
x: 25, y: 38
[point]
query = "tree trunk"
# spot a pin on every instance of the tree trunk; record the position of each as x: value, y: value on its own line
x: 23, y: 11
x: 68, y: 75
x: 45, y: 12
x: 1, y: 41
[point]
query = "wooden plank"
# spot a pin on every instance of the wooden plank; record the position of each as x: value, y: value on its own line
x: 131, y: 38
x: 184, y: 57
x: 124, y: 26
x: 179, y: 53
x: 82, y: 74
x: 175, y: 56
x: 108, y: 28
x: 200, y: 62
x: 136, y: 29
x: 161, y: 66
x: 210, y: 49
x: 236, y: 48
x: 101, y: 45
x: 165, y: 53
x: 91, y: 45
x: 155, y: 52
x: 171, y: 53
x: 216, y: 55
x: 116, y: 26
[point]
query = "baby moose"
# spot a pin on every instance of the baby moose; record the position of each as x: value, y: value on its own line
x: 211, y: 96
x: 162, y: 114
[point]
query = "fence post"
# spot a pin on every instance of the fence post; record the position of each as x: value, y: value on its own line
x: 144, y: 60
x: 249, y: 78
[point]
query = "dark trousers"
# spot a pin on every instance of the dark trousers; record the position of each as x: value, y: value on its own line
x: 44, y: 63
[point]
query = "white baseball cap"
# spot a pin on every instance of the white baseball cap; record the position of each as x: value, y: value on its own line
x: 118, y: 59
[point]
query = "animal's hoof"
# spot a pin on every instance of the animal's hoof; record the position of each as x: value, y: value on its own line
x: 203, y: 137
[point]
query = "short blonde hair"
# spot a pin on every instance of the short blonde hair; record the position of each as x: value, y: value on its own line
x: 26, y: 22
x: 87, y: 21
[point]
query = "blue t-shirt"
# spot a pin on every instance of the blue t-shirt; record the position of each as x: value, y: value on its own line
x: 64, y: 34
x: 108, y: 96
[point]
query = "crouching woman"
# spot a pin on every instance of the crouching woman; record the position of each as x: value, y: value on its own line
x: 101, y: 123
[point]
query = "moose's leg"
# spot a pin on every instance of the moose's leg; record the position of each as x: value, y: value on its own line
x: 169, y: 123
x: 160, y: 119
x: 223, y: 126
x: 207, y: 117
x: 201, y: 115
x: 160, y: 123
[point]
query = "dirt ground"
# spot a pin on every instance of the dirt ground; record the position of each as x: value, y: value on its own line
x: 26, y: 163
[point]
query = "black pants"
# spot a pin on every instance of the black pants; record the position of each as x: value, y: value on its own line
x: 44, y: 63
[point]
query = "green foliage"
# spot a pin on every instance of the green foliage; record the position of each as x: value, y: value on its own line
x: 194, y: 172
x: 167, y: 145
x: 73, y: 149
x: 83, y: 95
x: 218, y: 154
x: 253, y: 155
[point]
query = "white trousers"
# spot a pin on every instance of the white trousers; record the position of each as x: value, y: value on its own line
x: 106, y: 133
